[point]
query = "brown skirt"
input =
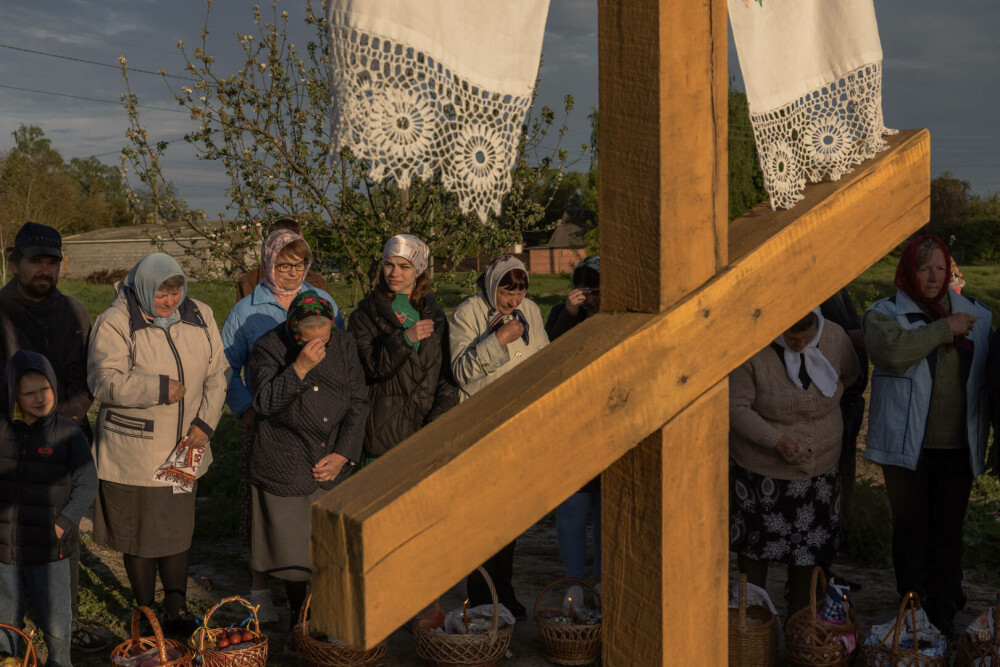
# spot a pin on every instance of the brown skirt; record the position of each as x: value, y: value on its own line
x: 281, y: 530
x: 145, y: 521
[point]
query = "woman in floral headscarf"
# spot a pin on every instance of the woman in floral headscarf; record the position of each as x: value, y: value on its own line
x: 312, y: 404
x: 491, y: 333
x: 402, y: 335
x: 927, y: 425
x: 285, y: 261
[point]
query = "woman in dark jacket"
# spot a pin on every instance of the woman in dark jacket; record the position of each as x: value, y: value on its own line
x: 582, y: 301
x: 402, y: 337
x: 310, y: 409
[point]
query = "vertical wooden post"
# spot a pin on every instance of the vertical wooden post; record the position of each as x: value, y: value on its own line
x: 664, y: 525
x: 663, y: 102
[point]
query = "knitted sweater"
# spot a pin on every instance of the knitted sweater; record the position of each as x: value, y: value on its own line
x: 764, y: 404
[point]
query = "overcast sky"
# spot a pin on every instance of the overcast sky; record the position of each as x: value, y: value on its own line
x: 942, y: 70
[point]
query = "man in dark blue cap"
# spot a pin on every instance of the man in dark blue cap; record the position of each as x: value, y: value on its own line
x: 56, y: 326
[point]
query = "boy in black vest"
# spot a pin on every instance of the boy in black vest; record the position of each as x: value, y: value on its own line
x: 47, y: 481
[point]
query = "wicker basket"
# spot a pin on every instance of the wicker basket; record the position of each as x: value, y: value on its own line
x: 973, y: 653
x: 138, y: 645
x: 249, y: 654
x: 884, y: 655
x: 485, y: 649
x: 753, y: 643
x: 30, y: 658
x: 810, y: 642
x: 318, y: 653
x: 568, y: 644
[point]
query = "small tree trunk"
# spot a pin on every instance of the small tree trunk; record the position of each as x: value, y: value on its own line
x: 404, y: 200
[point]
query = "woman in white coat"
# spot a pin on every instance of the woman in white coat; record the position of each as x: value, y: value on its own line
x: 491, y: 333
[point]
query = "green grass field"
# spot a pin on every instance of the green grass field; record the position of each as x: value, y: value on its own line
x: 546, y: 290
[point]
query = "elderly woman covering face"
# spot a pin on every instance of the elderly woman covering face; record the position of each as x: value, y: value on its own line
x: 285, y: 262
x: 491, y: 333
x: 785, y: 437
x: 311, y: 404
x: 157, y: 366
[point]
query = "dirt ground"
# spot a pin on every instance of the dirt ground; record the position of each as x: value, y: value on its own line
x: 219, y: 569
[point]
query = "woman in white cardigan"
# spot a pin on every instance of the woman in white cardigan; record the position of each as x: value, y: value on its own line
x: 490, y: 334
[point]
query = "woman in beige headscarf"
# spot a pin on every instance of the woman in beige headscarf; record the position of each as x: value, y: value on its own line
x: 491, y: 333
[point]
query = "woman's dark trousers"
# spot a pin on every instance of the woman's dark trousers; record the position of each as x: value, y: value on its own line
x: 928, y: 510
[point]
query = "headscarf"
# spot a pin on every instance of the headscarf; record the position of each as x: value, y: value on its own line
x: 147, y: 276
x: 307, y: 304
x: 410, y: 248
x: 593, y: 263
x: 906, y: 277
x: 273, y: 245
x: 490, y: 283
x: 819, y: 369
x: 495, y: 272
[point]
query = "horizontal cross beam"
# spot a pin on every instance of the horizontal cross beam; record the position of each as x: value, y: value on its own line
x: 384, y: 543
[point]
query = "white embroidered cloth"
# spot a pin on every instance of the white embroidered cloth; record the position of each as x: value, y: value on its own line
x: 813, y: 75
x: 419, y: 87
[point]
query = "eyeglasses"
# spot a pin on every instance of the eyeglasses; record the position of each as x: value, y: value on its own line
x: 292, y: 268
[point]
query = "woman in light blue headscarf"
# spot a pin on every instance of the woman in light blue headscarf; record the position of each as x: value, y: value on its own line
x: 159, y: 285
x: 157, y: 366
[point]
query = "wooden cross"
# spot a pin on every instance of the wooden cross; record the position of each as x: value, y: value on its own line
x: 639, y: 391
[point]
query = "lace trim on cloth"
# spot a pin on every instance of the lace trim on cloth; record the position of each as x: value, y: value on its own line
x: 408, y: 115
x: 824, y: 133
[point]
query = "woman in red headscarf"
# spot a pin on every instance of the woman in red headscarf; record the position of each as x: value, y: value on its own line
x: 927, y: 424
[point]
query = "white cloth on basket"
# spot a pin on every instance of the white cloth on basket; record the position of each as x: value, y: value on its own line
x: 435, y: 85
x: 813, y: 76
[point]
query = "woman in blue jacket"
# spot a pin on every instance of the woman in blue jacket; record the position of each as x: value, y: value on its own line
x: 927, y: 424
x: 285, y: 262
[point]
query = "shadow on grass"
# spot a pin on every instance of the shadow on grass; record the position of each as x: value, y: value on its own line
x: 104, y: 601
x: 219, y: 491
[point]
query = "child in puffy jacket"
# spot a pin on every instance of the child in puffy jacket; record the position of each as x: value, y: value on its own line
x: 47, y: 482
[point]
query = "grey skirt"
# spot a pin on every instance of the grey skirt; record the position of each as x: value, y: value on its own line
x: 281, y: 529
x: 145, y: 521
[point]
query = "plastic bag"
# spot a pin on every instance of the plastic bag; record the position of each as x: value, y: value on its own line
x: 150, y: 658
x: 934, y: 643
x: 480, y: 619
x: 432, y: 616
x: 755, y: 596
x: 981, y: 629
x: 181, y: 468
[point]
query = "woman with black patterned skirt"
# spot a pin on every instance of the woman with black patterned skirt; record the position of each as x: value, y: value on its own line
x: 784, y: 445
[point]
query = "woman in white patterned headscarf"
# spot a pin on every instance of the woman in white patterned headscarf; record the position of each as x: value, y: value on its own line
x: 785, y: 434
x: 402, y: 337
x: 491, y: 333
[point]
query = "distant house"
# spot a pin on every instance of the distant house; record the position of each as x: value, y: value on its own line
x: 120, y: 248
x: 565, y: 248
